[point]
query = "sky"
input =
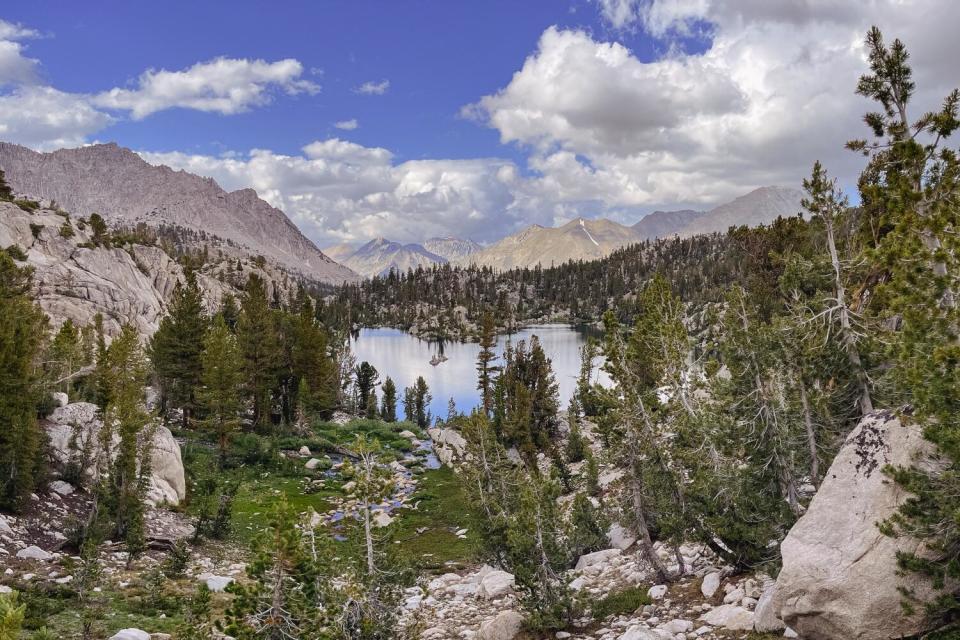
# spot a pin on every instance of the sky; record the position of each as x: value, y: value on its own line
x: 471, y: 119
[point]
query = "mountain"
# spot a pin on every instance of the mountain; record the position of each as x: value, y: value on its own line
x: 661, y: 224
x: 126, y: 190
x: 340, y: 252
x: 760, y: 206
x: 579, y: 239
x: 453, y: 249
x: 381, y: 256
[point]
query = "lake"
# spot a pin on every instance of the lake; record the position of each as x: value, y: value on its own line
x: 403, y: 357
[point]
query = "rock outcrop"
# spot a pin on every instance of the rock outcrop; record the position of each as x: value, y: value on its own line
x: 449, y: 445
x: 125, y: 189
x: 74, y: 439
x: 839, y: 578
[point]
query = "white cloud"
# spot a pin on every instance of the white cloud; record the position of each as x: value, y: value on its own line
x: 44, y: 118
x: 347, y: 125
x: 772, y: 92
x: 372, y: 88
x: 222, y: 85
x: 15, y: 67
x: 16, y: 31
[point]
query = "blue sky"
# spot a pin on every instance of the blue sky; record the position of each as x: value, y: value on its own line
x: 485, y: 116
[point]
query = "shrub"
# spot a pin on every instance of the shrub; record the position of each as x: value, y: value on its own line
x: 35, y: 229
x: 66, y: 231
x: 176, y: 563
x: 16, y: 252
x: 620, y: 603
x: 27, y: 205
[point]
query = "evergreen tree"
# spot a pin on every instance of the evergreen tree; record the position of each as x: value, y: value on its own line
x: 486, y: 372
x: 576, y: 445
x: 372, y: 411
x: 587, y: 528
x: 6, y: 193
x: 221, y: 379
x: 409, y: 405
x: 65, y: 356
x: 388, y: 405
x: 22, y: 333
x: 367, y: 380
x: 416, y: 400
x: 176, y: 347
x: 526, y: 401
x: 126, y: 418
x: 230, y: 311
x: 259, y: 346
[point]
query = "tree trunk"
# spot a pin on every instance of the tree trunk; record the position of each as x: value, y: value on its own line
x: 811, y: 437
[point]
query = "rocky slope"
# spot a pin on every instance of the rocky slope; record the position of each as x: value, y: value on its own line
x: 74, y: 279
x: 663, y: 224
x: 123, y: 188
x: 453, y: 249
x: 760, y: 206
x: 579, y: 239
x: 381, y: 256
x: 584, y: 239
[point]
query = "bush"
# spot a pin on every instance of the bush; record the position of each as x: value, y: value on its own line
x: 27, y: 205
x: 66, y: 231
x: 176, y: 563
x: 16, y: 252
x: 35, y: 229
x: 620, y: 603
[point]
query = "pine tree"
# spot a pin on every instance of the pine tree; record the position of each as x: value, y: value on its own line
x: 388, y: 405
x: 126, y: 418
x: 420, y: 399
x: 22, y: 333
x: 176, y: 347
x: 587, y: 528
x: 486, y: 372
x: 221, y: 379
x: 367, y: 380
x: 372, y: 411
x: 576, y: 445
x: 6, y: 193
x: 259, y: 346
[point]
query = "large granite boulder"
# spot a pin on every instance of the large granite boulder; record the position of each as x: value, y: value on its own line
x: 74, y: 438
x: 449, y: 445
x: 839, y: 578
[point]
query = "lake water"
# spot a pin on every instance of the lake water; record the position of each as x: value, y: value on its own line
x: 403, y: 357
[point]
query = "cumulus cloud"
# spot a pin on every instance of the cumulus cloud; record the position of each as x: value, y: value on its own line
x: 772, y: 92
x: 372, y: 88
x: 15, y: 67
x: 347, y: 125
x: 44, y: 118
x: 222, y: 85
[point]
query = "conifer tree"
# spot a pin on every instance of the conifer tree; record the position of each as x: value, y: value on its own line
x: 22, y: 333
x: 6, y: 193
x: 486, y: 372
x: 367, y: 379
x: 416, y: 403
x: 221, y: 379
x: 176, y: 346
x: 388, y: 404
x: 259, y: 346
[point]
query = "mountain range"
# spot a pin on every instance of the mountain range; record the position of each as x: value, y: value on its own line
x: 126, y: 190
x: 381, y: 256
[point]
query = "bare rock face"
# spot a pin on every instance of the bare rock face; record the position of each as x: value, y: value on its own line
x: 123, y: 188
x: 448, y: 444
x: 74, y: 438
x: 839, y: 578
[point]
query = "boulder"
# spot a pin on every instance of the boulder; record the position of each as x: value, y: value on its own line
x: 496, y: 584
x: 312, y: 463
x: 620, y: 538
x: 382, y: 519
x: 657, y: 591
x: 839, y: 577
x: 60, y: 398
x: 215, y: 583
x: 643, y: 633
x: 130, y: 634
x: 61, y: 487
x: 448, y: 444
x: 4, y: 525
x: 505, y: 626
x: 304, y: 451
x: 765, y: 617
x: 729, y: 616
x: 710, y: 584
x: 80, y: 423
x: 597, y: 557
x: 34, y: 552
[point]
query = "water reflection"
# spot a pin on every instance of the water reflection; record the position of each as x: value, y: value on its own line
x: 403, y: 357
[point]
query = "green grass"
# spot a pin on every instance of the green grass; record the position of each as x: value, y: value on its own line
x: 259, y: 492
x: 443, y: 509
x: 620, y: 603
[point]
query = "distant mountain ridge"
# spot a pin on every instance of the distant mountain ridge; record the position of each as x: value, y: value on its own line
x: 381, y: 256
x: 118, y: 184
x: 583, y: 239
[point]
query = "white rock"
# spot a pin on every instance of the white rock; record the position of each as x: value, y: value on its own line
x: 734, y: 596
x: 5, y: 589
x: 448, y: 444
x: 61, y: 487
x: 840, y: 577
x: 4, y: 525
x: 711, y: 582
x: 409, y: 435
x: 656, y: 592
x: 64, y: 580
x: 790, y: 633
x: 382, y: 519
x: 167, y: 482
x: 596, y: 558
x: 505, y: 626
x: 304, y: 451
x: 729, y: 616
x: 215, y: 583
x: 130, y: 634
x: 60, y: 398
x: 34, y: 553
x: 312, y: 463
x: 643, y: 633
x: 619, y: 537
x: 496, y: 584
x: 765, y: 618
x: 677, y: 626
